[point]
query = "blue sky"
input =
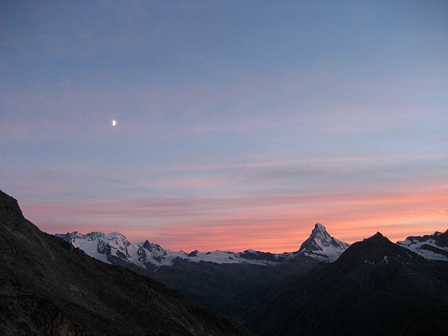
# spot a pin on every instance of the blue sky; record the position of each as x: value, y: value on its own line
x: 239, y: 123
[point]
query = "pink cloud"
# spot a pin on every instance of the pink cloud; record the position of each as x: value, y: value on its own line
x: 276, y: 223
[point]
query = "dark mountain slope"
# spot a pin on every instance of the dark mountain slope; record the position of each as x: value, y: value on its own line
x: 230, y: 289
x: 49, y: 288
x: 374, y: 288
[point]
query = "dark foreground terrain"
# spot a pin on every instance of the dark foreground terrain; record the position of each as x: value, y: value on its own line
x: 49, y: 288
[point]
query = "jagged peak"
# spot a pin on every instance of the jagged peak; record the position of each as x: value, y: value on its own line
x: 433, y: 247
x: 320, y: 231
x: 320, y: 243
x: 441, y: 238
x: 320, y: 227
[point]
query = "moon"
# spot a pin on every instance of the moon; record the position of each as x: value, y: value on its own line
x: 114, y: 122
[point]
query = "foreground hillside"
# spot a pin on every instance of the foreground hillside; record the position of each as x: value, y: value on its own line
x: 47, y: 287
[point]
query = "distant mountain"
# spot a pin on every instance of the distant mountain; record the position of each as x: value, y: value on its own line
x: 321, y: 246
x: 114, y: 248
x: 229, y: 282
x: 432, y: 247
x: 375, y: 287
x: 47, y: 287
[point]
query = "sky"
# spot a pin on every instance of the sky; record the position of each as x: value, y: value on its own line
x: 239, y: 124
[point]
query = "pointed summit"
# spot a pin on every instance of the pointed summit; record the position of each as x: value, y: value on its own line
x: 321, y: 244
x: 374, y: 250
x: 320, y: 240
x: 320, y: 227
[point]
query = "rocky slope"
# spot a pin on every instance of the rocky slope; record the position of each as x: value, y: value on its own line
x: 47, y: 287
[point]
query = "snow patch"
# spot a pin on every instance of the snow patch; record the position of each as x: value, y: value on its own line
x: 426, y: 246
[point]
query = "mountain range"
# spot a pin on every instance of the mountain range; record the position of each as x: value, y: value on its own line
x: 50, y: 286
x: 230, y: 282
x: 114, y: 248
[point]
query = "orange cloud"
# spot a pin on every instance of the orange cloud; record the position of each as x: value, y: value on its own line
x: 275, y: 223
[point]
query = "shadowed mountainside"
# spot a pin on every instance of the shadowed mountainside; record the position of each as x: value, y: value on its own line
x: 47, y: 287
x: 374, y: 288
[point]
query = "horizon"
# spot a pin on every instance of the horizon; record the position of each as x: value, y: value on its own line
x: 236, y: 251
x: 228, y: 124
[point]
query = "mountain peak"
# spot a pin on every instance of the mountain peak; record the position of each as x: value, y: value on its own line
x: 375, y: 250
x: 320, y: 227
x: 322, y: 244
x: 379, y: 240
x: 378, y: 235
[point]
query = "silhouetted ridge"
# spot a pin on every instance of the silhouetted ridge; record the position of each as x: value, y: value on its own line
x: 47, y: 287
x: 10, y: 209
x: 375, y: 249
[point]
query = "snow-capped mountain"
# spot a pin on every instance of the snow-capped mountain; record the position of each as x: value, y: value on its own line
x: 432, y: 247
x: 114, y: 248
x: 108, y: 247
x: 320, y: 245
